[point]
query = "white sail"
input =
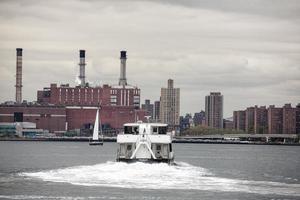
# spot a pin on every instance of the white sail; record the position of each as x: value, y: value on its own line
x: 96, y: 127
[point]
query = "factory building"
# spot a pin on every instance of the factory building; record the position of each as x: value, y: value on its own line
x: 89, y: 96
x: 61, y: 108
x: 84, y: 95
x: 52, y: 118
x: 110, y: 116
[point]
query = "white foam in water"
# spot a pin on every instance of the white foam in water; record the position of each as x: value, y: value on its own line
x: 160, y: 176
x: 21, y: 197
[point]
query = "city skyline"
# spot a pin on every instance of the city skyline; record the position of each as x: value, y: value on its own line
x: 254, y: 60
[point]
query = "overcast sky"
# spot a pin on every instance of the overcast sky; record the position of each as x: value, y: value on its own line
x: 247, y: 50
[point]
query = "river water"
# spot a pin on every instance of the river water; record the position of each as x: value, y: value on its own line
x: 75, y: 170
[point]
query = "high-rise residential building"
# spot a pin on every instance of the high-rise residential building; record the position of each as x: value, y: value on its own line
x: 156, y: 111
x: 260, y: 120
x: 234, y: 120
x: 298, y: 118
x: 288, y: 119
x: 199, y: 118
x: 170, y: 105
x: 214, y: 110
x: 249, y: 120
x: 148, y: 107
x: 239, y: 120
x: 275, y: 120
x: 228, y: 124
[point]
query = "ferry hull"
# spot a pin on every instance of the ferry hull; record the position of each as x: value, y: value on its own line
x: 169, y: 161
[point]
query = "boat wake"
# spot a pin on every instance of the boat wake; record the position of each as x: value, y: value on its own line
x: 160, y: 176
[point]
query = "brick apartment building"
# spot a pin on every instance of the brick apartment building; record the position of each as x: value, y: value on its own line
x: 260, y: 120
x: 275, y: 120
x: 239, y: 120
x: 249, y: 120
x: 271, y: 120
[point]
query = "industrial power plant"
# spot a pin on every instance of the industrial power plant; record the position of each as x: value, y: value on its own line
x: 62, y: 109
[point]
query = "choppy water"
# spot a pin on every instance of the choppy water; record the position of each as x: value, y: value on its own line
x: 57, y: 170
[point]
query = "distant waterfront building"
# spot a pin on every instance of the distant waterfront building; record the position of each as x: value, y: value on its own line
x: 214, y: 110
x: 20, y: 129
x: 239, y: 120
x: 148, y: 107
x: 156, y: 111
x: 65, y: 95
x: 51, y: 118
x: 199, y: 118
x: 288, y: 119
x: 275, y: 120
x: 228, y: 124
x: 186, y: 122
x: 170, y: 105
x: 249, y: 120
x: 272, y: 120
x: 298, y: 118
x: 260, y: 120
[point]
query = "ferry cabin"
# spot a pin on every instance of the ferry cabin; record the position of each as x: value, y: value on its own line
x: 145, y: 142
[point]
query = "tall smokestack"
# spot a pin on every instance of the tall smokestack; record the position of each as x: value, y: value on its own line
x: 19, y: 76
x: 123, y: 58
x: 82, y: 67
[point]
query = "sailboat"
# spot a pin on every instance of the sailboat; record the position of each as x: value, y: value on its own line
x: 95, y: 140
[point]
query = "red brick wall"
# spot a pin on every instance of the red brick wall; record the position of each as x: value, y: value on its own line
x: 115, y: 116
x: 89, y: 96
x: 289, y: 120
x: 48, y: 118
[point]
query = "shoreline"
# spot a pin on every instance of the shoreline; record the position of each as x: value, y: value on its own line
x: 174, y: 141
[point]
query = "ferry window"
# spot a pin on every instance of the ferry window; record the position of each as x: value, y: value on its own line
x: 162, y: 130
x: 158, y: 147
x: 129, y: 147
x: 131, y: 130
x: 170, y: 146
x: 155, y: 129
x: 128, y: 130
x: 136, y: 130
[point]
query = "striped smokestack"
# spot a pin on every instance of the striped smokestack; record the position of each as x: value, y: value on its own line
x: 122, y: 80
x: 19, y: 76
x: 82, y: 67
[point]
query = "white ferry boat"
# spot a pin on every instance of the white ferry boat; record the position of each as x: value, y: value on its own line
x: 146, y: 142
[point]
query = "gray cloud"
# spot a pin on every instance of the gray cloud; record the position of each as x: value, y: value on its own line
x: 273, y: 8
x: 248, y: 50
